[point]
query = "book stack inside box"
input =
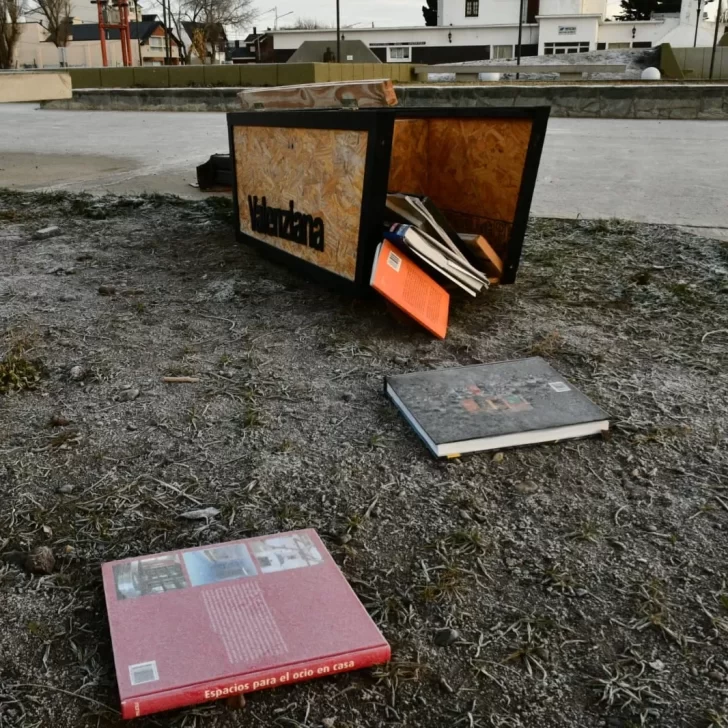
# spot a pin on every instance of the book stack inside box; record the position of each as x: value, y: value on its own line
x: 422, y: 260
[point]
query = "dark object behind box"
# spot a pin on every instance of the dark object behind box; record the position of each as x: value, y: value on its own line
x: 310, y: 186
x: 493, y: 406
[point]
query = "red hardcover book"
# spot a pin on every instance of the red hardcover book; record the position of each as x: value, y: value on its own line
x: 206, y: 623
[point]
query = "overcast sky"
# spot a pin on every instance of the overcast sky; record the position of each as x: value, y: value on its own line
x: 362, y: 12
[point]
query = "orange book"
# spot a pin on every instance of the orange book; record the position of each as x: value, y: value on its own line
x: 404, y: 284
x: 492, y: 263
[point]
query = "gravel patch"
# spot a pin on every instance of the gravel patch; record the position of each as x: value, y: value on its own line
x: 575, y: 584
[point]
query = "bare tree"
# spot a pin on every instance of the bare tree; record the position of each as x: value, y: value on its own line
x: 210, y: 19
x: 10, y: 13
x: 56, y: 19
x: 305, y: 24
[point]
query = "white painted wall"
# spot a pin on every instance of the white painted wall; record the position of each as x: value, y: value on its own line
x: 572, y: 7
x: 490, y: 12
x: 551, y: 31
x: 434, y: 36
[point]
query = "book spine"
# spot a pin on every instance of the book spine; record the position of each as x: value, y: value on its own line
x: 250, y: 682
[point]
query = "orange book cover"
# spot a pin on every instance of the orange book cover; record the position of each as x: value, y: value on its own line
x: 403, y: 283
x: 484, y: 251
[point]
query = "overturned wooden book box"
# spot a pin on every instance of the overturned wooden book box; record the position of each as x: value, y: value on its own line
x: 310, y: 187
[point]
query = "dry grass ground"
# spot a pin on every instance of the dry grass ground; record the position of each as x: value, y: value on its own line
x: 587, y: 580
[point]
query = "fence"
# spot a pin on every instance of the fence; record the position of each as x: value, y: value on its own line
x: 694, y: 63
x: 259, y: 74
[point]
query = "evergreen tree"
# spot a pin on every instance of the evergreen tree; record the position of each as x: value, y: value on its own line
x: 429, y: 12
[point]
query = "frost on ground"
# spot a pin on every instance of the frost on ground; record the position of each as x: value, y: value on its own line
x: 635, y: 61
x: 586, y: 582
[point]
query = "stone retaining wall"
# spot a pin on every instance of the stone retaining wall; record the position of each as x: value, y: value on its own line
x: 606, y: 101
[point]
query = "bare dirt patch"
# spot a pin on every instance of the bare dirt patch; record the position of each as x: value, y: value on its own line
x: 586, y: 581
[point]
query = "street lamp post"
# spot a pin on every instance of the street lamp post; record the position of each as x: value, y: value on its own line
x: 697, y: 23
x: 715, y: 37
x: 338, y: 33
x: 520, y: 34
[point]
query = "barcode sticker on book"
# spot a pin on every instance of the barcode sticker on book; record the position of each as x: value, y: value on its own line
x: 560, y: 386
x: 394, y: 261
x: 144, y: 672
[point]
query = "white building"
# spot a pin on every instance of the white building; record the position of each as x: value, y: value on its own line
x: 488, y: 29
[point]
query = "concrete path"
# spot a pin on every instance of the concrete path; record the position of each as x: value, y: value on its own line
x: 673, y: 172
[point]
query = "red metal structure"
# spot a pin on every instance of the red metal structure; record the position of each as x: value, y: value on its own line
x: 122, y: 26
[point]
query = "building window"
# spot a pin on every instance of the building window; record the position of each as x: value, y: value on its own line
x: 618, y: 45
x: 502, y: 51
x: 156, y: 42
x: 398, y: 54
x: 642, y: 44
x: 472, y: 8
x: 551, y: 49
x: 601, y: 46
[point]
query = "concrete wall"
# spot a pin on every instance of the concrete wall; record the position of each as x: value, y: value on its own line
x: 22, y: 87
x: 633, y: 101
x: 695, y: 62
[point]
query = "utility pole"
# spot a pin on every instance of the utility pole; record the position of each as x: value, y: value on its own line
x: 520, y: 35
x: 715, y: 37
x: 338, y: 33
x: 697, y: 23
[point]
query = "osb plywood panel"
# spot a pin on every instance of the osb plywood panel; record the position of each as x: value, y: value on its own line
x: 320, y: 170
x: 476, y: 165
x: 366, y: 95
x: 471, y: 168
x: 408, y: 170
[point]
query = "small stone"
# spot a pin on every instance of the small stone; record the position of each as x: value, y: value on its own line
x: 402, y: 360
x: 716, y: 675
x: 59, y: 421
x: 77, y: 373
x: 67, y: 297
x: 66, y: 489
x: 132, y: 427
x: 694, y: 671
x: 445, y: 637
x: 348, y: 397
x: 527, y: 487
x: 329, y: 723
x: 68, y: 549
x: 464, y: 514
x: 657, y: 665
x: 40, y: 561
x: 107, y: 290
x: 128, y: 395
x: 47, y: 232
x: 343, y: 538
x: 498, y: 457
x: 543, y: 653
x: 651, y: 528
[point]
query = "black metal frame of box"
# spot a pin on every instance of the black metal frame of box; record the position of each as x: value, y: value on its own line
x: 379, y: 124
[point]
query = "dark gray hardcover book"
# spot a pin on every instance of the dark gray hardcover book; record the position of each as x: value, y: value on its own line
x: 493, y: 406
